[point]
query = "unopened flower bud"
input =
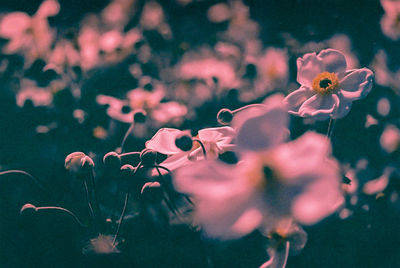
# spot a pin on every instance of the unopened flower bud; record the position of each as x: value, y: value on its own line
x: 78, y: 163
x: 152, y: 192
x: 148, y: 157
x: 28, y: 209
x: 112, y: 161
x: 127, y: 170
x: 184, y: 142
x: 224, y: 116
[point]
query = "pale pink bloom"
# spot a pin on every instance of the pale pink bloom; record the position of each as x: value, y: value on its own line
x: 390, y: 22
x: 383, y: 106
x: 298, y: 180
x: 207, y: 68
x: 142, y: 99
x: 88, y: 41
x: 64, y: 54
x: 38, y: 96
x: 117, y: 109
x: 169, y: 112
x: 379, y: 184
x: 327, y: 88
x: 152, y: 15
x: 215, y: 140
x: 219, y: 13
x: 342, y: 43
x: 261, y: 126
x: 390, y: 138
x: 110, y: 41
x: 29, y: 34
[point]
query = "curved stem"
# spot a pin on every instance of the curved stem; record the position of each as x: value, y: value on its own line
x: 128, y: 154
x: 202, y: 147
x: 247, y: 107
x: 16, y: 171
x: 89, y: 203
x: 121, y: 218
x: 128, y: 132
x: 167, y: 198
x: 70, y: 213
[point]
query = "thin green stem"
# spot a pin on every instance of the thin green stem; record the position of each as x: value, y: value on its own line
x: 330, y: 128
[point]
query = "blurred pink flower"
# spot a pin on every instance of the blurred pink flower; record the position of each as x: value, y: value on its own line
x: 29, y: 34
x: 215, y: 141
x: 327, y: 88
x: 297, y: 180
x: 261, y: 126
x: 390, y: 22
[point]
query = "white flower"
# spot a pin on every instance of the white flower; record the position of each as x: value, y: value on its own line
x: 327, y: 88
x: 215, y: 141
x: 296, y: 180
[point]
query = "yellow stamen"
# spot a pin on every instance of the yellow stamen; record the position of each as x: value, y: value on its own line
x: 325, y: 83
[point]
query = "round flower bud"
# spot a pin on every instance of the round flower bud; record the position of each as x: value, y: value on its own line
x: 127, y: 170
x: 78, y: 163
x: 112, y: 160
x: 28, y: 209
x: 224, y: 116
x: 139, y: 116
x: 152, y: 192
x: 148, y: 157
x: 184, y: 142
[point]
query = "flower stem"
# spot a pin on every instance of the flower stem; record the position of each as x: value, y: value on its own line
x: 330, y: 128
x: 128, y: 132
x: 121, y: 218
x: 202, y: 147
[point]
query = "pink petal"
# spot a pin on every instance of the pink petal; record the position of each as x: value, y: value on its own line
x: 333, y: 61
x: 223, y: 135
x: 308, y: 67
x: 357, y: 84
x: 14, y: 24
x: 164, y: 141
x: 295, y: 99
x: 319, y: 107
x: 264, y: 131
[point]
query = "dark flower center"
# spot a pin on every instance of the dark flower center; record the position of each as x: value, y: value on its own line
x: 324, y: 83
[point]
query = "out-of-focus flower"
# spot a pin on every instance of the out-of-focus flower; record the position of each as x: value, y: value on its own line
x: 169, y: 112
x: 38, y: 96
x: 327, y: 88
x: 379, y: 184
x: 219, y: 13
x: 297, y: 180
x: 29, y: 34
x: 207, y: 68
x: 215, y: 141
x: 390, y: 138
x: 390, y: 22
x: 102, y: 244
x: 261, y: 126
x: 64, y: 54
x: 152, y: 15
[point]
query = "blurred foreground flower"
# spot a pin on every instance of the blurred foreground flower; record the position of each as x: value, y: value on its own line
x: 298, y: 180
x: 327, y: 88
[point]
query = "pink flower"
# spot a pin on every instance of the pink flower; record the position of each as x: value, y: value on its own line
x: 297, y: 180
x: 215, y: 141
x: 327, y: 89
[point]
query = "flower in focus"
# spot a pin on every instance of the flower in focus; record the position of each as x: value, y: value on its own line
x: 327, y: 89
x: 298, y: 180
x: 390, y: 22
x: 215, y: 141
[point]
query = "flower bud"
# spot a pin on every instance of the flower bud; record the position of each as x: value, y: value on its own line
x: 184, y: 142
x: 224, y: 116
x: 148, y: 157
x: 127, y: 170
x: 28, y: 209
x: 152, y: 192
x: 112, y: 161
x: 78, y: 163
